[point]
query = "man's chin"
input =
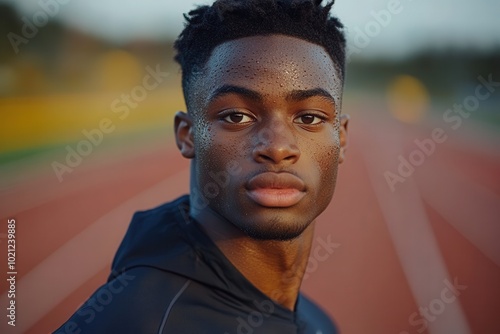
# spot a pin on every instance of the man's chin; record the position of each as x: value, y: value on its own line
x: 274, y: 229
x: 264, y: 223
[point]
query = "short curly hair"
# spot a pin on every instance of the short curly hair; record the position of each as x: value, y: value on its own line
x: 225, y: 20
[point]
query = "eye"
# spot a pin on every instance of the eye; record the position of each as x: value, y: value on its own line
x: 309, y: 119
x: 237, y: 118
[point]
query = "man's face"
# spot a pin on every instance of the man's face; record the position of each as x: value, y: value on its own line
x: 266, y: 136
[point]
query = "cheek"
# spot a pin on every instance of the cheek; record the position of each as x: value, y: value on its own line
x: 203, y: 135
x: 327, y: 158
x: 216, y: 153
x: 205, y: 152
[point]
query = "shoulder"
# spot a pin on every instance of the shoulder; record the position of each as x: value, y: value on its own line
x: 150, y: 235
x: 163, y: 214
x: 316, y: 319
x: 136, y: 301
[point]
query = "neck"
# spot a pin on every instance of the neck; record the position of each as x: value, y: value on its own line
x: 276, y: 268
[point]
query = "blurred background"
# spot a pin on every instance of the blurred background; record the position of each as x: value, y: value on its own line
x: 88, y: 90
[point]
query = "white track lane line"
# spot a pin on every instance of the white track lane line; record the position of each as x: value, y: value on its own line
x: 82, y: 257
x: 412, y: 235
x: 469, y: 207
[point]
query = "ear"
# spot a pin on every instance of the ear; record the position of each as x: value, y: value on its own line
x: 183, y: 127
x: 344, y: 122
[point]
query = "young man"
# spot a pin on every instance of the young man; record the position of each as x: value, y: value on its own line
x: 263, y: 83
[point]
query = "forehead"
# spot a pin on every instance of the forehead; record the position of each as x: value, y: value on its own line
x: 272, y: 65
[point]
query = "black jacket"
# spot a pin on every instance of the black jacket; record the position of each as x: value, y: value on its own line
x: 169, y: 277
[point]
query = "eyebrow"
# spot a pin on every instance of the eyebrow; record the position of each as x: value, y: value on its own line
x: 300, y: 95
x: 296, y: 95
x: 238, y: 90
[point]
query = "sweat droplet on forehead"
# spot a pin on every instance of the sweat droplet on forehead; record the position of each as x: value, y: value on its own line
x: 272, y: 65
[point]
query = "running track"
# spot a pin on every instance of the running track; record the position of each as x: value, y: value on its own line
x: 395, y: 249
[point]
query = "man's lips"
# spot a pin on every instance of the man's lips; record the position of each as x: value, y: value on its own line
x: 276, y: 190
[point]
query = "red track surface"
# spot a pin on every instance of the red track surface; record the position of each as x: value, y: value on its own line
x: 394, y: 251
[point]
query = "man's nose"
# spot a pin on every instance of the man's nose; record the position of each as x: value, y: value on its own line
x: 277, y: 144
